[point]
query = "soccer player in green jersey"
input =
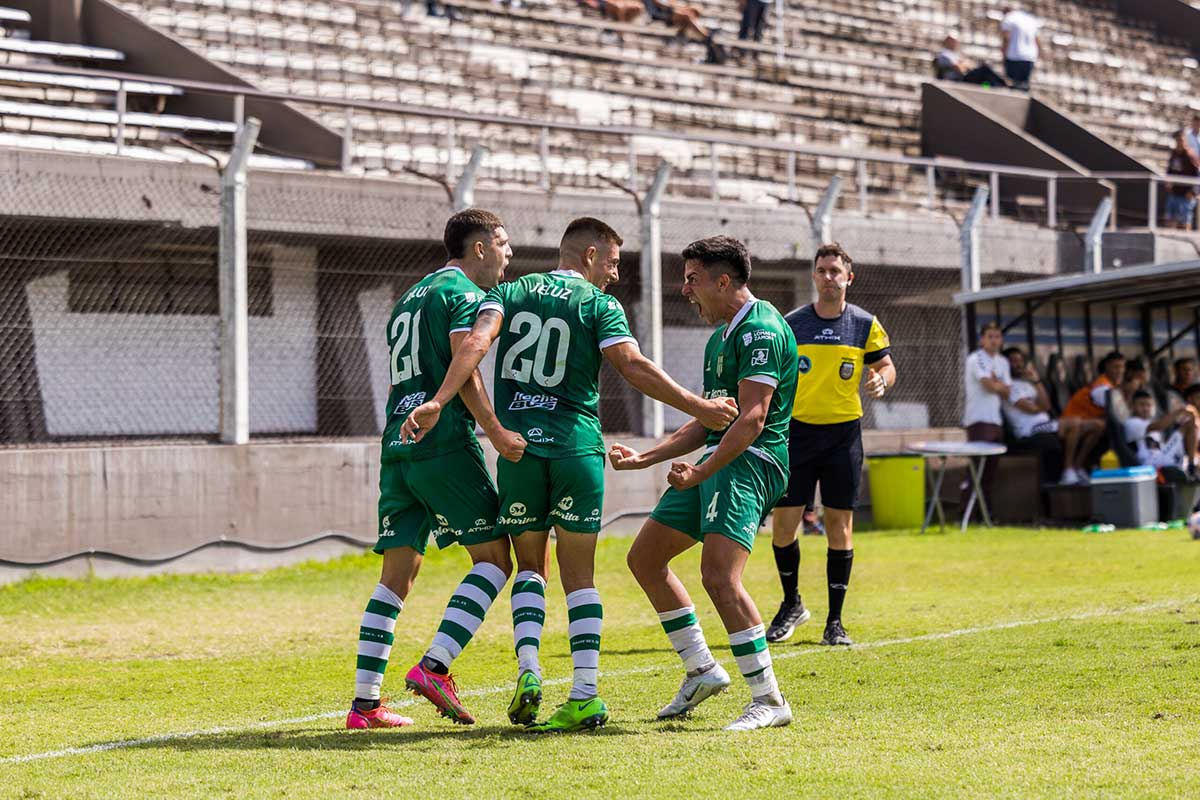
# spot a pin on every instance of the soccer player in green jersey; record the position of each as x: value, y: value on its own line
x: 721, y: 500
x: 555, y: 329
x: 427, y: 325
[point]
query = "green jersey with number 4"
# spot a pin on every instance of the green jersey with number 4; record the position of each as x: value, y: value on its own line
x: 757, y: 345
x: 418, y: 337
x: 548, y: 361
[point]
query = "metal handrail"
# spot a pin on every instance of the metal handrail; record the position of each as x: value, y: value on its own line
x: 239, y: 94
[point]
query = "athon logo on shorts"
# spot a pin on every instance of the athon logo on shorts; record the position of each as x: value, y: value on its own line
x: 594, y: 516
x: 481, y: 524
x: 846, y: 370
x: 804, y: 364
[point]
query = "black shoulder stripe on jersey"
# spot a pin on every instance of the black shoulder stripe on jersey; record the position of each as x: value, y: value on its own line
x: 853, y: 328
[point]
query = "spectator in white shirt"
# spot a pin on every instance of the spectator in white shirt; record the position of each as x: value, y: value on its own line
x: 1145, y: 433
x: 987, y: 382
x: 1021, y: 45
x: 1027, y: 410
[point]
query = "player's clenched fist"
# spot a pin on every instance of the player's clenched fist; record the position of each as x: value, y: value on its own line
x: 684, y: 475
x: 718, y: 413
x: 510, y: 444
x: 420, y: 422
x: 622, y: 457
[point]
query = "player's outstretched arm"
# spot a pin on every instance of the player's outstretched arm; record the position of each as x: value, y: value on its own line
x: 644, y: 375
x: 466, y: 360
x: 754, y: 398
x: 510, y: 444
x: 679, y: 443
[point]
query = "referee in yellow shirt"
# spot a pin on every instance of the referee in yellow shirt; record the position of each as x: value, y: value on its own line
x: 838, y: 345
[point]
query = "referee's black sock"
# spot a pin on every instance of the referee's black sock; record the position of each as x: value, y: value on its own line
x: 787, y: 561
x: 837, y: 570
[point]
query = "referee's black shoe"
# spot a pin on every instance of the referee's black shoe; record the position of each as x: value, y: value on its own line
x: 789, y: 617
x: 835, y: 634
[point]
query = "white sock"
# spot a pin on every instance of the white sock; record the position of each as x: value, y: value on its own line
x: 754, y: 662
x: 586, y: 617
x: 683, y: 629
x: 375, y: 637
x: 465, y: 611
x: 528, y: 615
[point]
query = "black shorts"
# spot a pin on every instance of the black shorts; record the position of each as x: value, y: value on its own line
x: 831, y: 455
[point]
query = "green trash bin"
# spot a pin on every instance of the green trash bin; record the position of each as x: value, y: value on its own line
x: 897, y: 489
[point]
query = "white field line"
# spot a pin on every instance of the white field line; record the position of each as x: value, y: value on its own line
x: 928, y: 637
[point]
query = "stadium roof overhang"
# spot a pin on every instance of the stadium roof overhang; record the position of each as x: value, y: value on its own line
x: 1148, y: 285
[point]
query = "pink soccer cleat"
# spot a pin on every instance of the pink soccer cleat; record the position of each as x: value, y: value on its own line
x: 439, y: 690
x: 379, y: 717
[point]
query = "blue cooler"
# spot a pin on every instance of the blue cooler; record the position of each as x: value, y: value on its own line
x: 1126, y: 497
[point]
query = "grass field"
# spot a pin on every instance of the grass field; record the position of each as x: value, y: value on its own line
x: 997, y: 663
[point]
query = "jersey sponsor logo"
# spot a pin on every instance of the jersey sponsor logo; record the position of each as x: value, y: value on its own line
x: 747, y: 338
x: 523, y: 402
x: 715, y: 393
x: 760, y: 335
x: 470, y: 297
x: 846, y: 370
x: 547, y: 290
x: 758, y: 357
x: 827, y: 335
x: 538, y: 436
x: 804, y: 364
x: 407, y: 403
x: 566, y: 503
x: 517, y: 509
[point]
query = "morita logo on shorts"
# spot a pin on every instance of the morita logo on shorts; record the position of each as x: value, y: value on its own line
x: 386, y: 522
x: 517, y: 509
x: 827, y: 335
x: 408, y: 403
x: 566, y: 516
x: 566, y: 503
x: 523, y: 402
x: 445, y: 523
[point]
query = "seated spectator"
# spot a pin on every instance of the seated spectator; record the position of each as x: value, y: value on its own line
x: 1027, y: 410
x: 616, y: 10
x: 1146, y: 433
x: 1086, y: 412
x: 1185, y: 376
x: 683, y: 17
x: 754, y: 15
x: 949, y: 65
x: 1136, y: 377
x: 1181, y: 197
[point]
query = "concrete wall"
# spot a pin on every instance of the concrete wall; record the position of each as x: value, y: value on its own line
x: 155, y: 502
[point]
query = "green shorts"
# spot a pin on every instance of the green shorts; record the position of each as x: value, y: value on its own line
x: 451, y: 496
x: 733, y: 503
x: 537, y: 492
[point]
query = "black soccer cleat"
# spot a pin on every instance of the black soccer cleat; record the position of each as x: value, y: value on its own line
x: 790, y: 616
x: 835, y: 634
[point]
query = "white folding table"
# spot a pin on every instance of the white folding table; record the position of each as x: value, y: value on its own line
x: 976, y: 454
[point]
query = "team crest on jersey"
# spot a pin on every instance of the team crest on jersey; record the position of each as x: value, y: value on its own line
x: 804, y: 364
x: 846, y: 370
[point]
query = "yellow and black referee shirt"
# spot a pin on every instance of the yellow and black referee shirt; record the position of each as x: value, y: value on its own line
x: 830, y: 356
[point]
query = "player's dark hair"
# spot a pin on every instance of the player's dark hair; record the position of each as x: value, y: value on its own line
x: 993, y: 325
x: 834, y: 249
x: 592, y: 227
x: 466, y: 224
x: 1179, y: 362
x: 1135, y: 365
x: 1111, y: 357
x: 721, y: 254
x: 1010, y: 351
x: 1142, y: 394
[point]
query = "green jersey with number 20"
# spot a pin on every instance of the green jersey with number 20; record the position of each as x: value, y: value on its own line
x: 418, y: 337
x: 548, y: 360
x: 757, y: 345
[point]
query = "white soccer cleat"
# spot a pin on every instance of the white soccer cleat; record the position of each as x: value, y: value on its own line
x: 758, y: 714
x: 694, y: 690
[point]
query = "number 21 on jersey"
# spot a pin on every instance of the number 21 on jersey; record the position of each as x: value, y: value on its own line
x: 405, y: 331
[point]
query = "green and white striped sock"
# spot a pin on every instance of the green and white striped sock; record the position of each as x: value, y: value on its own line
x: 683, y: 629
x: 528, y: 615
x: 375, y: 637
x: 754, y: 662
x: 465, y: 611
x: 585, y: 618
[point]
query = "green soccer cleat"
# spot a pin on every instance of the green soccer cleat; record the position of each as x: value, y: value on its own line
x: 523, y: 709
x: 574, y: 715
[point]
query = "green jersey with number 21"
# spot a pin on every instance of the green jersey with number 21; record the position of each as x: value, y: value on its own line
x: 555, y: 327
x: 418, y: 337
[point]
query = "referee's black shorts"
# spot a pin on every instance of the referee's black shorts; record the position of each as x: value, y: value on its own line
x: 831, y: 455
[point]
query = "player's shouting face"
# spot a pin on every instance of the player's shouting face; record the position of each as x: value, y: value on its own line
x: 493, y: 252
x: 704, y: 291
